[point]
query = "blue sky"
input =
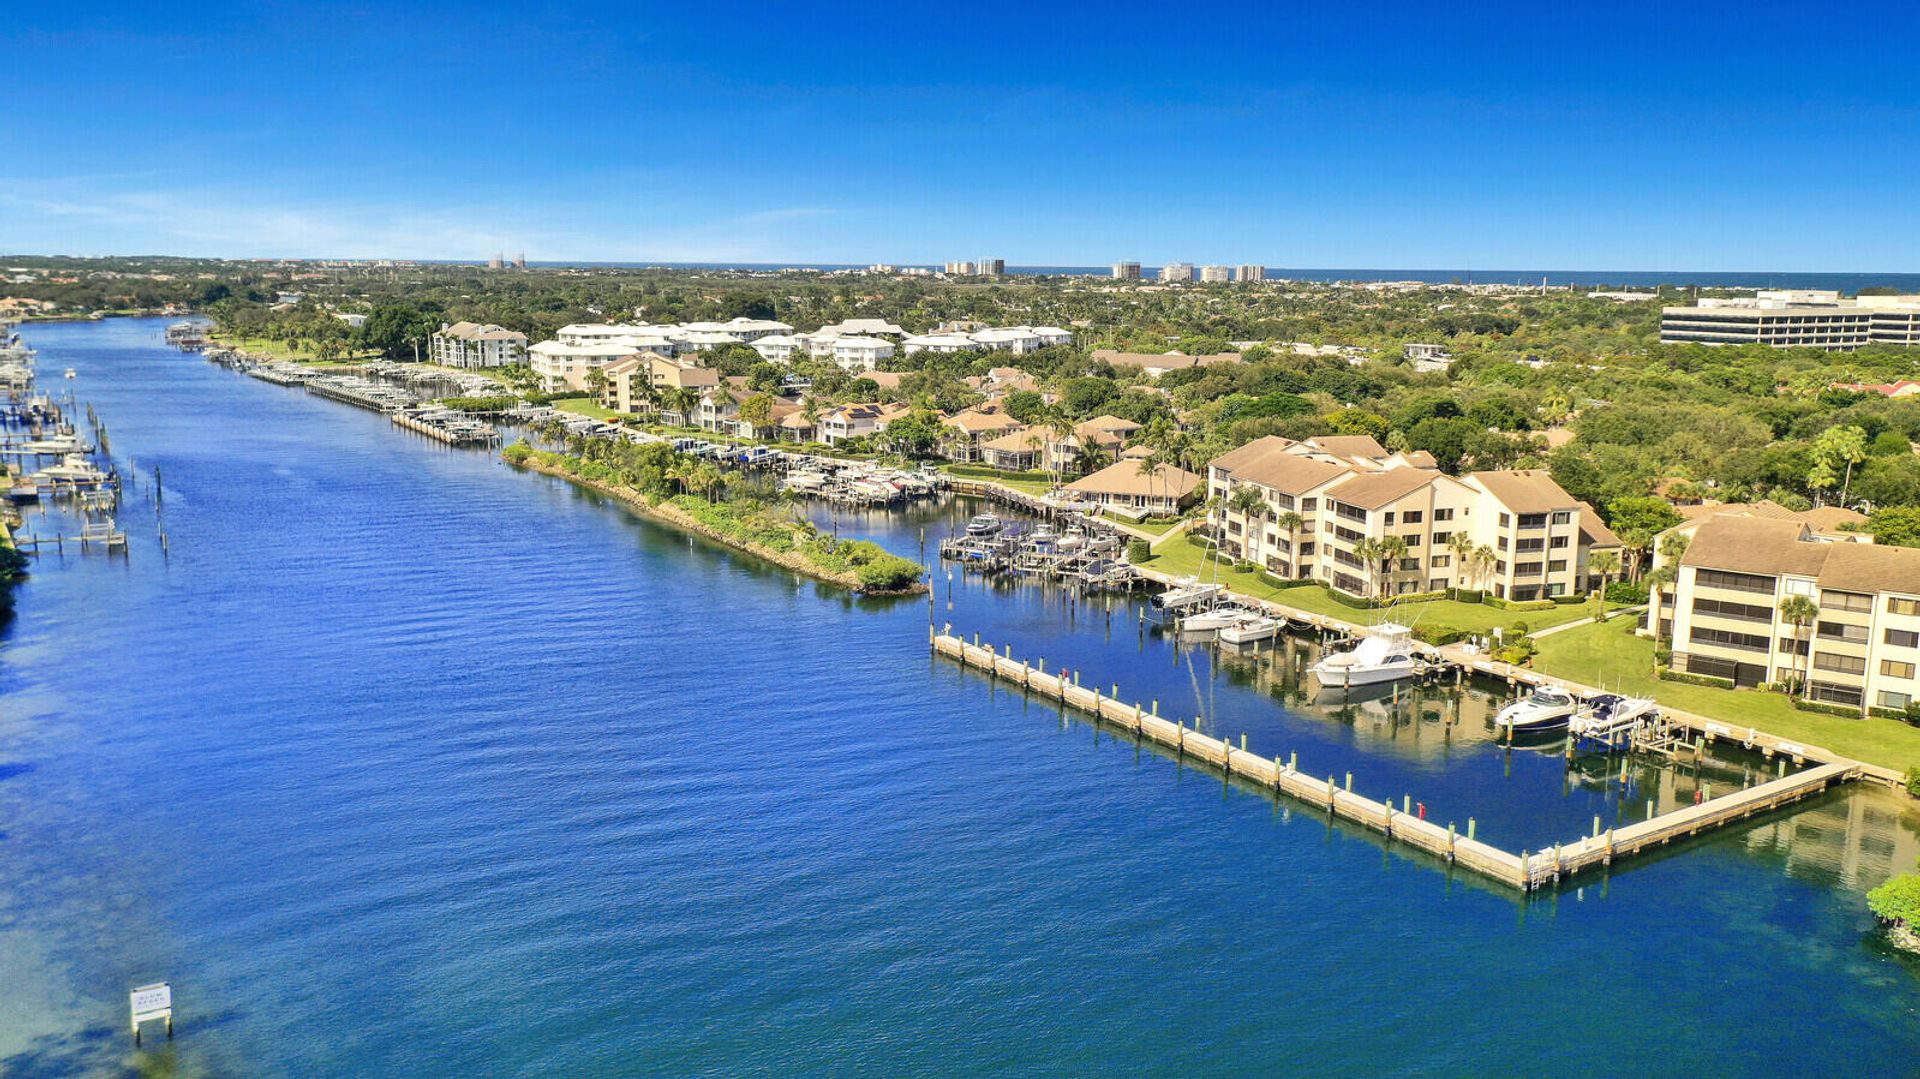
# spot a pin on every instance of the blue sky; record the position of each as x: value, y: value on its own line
x: 1685, y: 137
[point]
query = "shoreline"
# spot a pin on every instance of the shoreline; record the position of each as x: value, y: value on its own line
x: 671, y: 516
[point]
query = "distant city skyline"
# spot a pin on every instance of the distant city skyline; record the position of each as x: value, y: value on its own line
x: 1501, y: 137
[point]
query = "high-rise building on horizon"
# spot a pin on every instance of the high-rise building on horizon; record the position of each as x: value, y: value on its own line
x: 520, y: 261
x: 1177, y: 271
x: 496, y: 261
x: 1126, y: 271
x: 1250, y: 272
x: 993, y: 267
x: 1214, y: 274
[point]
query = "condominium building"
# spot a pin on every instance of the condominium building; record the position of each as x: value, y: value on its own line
x: 963, y: 269
x: 1862, y: 646
x: 565, y: 367
x: 992, y: 267
x: 1514, y: 533
x: 1177, y: 272
x: 1796, y: 318
x: 1126, y: 271
x: 1249, y: 272
x: 634, y: 382
x: 1216, y: 274
x: 470, y: 344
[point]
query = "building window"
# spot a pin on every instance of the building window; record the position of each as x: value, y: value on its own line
x: 1351, y: 513
x: 1845, y: 601
x: 1389, y: 517
x: 1902, y: 605
x: 1904, y: 638
x: 1557, y: 542
x: 1412, y: 541
x: 1832, y: 694
x: 1557, y: 565
x: 1737, y: 582
x: 1501, y: 568
x: 1440, y: 538
x: 1793, y: 647
x: 1533, y: 520
x: 1441, y: 561
x: 1442, y: 515
x: 1412, y: 517
x: 1842, y: 631
x: 1828, y: 661
x: 1896, y: 701
x: 1726, y: 638
x: 1505, y: 520
x: 1561, y: 517
x: 1556, y: 590
x: 1308, y: 505
x: 1527, y: 569
x: 1721, y: 608
x: 1894, y: 668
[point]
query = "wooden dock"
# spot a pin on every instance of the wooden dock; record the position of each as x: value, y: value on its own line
x: 1525, y: 871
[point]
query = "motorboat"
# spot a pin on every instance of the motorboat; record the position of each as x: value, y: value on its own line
x: 74, y: 469
x: 1207, y: 621
x: 24, y: 490
x: 1550, y: 708
x: 1249, y: 629
x: 71, y: 373
x: 985, y: 524
x: 57, y: 444
x: 1385, y: 654
x: 1187, y: 593
x: 1609, y: 714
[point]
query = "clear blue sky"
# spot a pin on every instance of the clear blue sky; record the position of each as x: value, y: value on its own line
x: 1591, y: 136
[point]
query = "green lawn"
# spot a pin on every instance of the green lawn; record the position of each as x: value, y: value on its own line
x: 1032, y: 483
x: 1182, y: 558
x: 1610, y: 656
x: 1154, y: 528
x: 281, y: 350
x: 584, y: 406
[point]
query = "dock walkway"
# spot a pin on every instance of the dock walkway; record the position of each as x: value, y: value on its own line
x: 1525, y: 871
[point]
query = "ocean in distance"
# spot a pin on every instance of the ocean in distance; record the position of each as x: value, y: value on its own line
x: 402, y: 762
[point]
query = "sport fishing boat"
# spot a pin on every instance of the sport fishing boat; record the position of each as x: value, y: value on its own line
x: 1548, y: 709
x: 1384, y: 654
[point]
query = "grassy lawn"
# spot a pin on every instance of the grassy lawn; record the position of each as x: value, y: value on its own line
x: 1154, y: 528
x: 1185, y: 559
x: 281, y: 350
x: 1029, y: 482
x: 584, y: 406
x: 1610, y: 656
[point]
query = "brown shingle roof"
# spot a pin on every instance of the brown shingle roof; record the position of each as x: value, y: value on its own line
x: 1291, y: 475
x: 1754, y: 545
x: 1372, y: 490
x: 1161, y: 361
x: 1018, y: 440
x: 1525, y: 490
x: 1870, y: 567
x: 1253, y: 452
x: 1130, y: 478
x: 1349, y: 445
x: 974, y: 421
x: 1593, y: 531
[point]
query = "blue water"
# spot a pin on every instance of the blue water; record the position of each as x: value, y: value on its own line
x: 1850, y: 282
x: 401, y: 762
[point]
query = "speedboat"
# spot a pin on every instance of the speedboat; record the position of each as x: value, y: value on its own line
x: 1548, y: 709
x: 985, y: 524
x: 1249, y: 628
x: 24, y: 489
x: 1188, y: 592
x: 1385, y: 654
x: 71, y: 373
x: 1610, y: 712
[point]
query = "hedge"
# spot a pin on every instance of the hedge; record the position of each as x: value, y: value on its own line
x: 1850, y: 711
x: 1628, y: 592
x: 1518, y: 604
x: 1465, y: 595
x: 1441, y: 635
x: 1668, y: 674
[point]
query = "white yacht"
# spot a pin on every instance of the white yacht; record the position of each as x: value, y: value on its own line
x: 1249, y: 628
x: 1187, y: 593
x: 1384, y: 654
x: 1207, y: 621
x: 985, y: 524
x: 1610, y: 714
x: 1548, y: 709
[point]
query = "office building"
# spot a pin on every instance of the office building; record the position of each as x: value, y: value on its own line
x: 1796, y: 318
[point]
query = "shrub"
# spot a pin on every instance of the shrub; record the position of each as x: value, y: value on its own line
x: 517, y: 453
x: 1626, y: 592
x: 1139, y: 550
x: 1517, y: 604
x: 1897, y: 901
x: 1913, y: 781
x: 1465, y: 595
x: 1668, y: 674
x: 13, y: 563
x: 1824, y: 708
x: 1441, y: 635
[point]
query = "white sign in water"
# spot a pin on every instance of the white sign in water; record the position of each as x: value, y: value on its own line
x: 151, y: 1002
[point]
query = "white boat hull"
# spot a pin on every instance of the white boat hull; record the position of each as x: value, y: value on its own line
x: 1340, y: 677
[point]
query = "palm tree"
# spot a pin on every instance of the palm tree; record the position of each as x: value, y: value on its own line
x: 682, y: 400
x: 1484, y: 559
x: 1604, y: 563
x: 1801, y: 611
x: 1246, y: 501
x: 1389, y: 550
x: 1292, y: 521
x: 1367, y: 550
x: 1089, y: 458
x: 1061, y: 426
x: 1461, y: 544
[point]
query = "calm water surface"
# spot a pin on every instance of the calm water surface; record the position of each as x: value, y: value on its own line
x: 402, y: 762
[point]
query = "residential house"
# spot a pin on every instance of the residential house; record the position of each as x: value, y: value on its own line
x: 970, y: 428
x: 777, y: 347
x: 860, y: 353
x: 855, y: 421
x: 1130, y: 489
x: 1018, y: 449
x: 1106, y: 433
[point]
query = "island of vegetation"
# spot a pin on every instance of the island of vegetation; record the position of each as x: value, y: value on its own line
x: 698, y: 497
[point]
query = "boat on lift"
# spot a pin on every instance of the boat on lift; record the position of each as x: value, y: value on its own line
x: 1385, y: 654
x: 984, y: 524
x: 1548, y: 709
x: 1250, y: 628
x: 73, y: 471
x: 1187, y: 593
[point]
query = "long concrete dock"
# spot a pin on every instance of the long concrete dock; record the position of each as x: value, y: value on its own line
x: 1525, y: 871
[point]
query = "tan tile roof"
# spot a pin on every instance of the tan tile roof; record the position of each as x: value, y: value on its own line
x: 1372, y: 490
x: 1105, y: 423
x: 1525, y: 490
x: 1130, y: 477
x: 1166, y: 360
x: 1830, y: 518
x: 1018, y: 440
x: 974, y: 421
